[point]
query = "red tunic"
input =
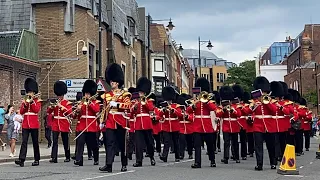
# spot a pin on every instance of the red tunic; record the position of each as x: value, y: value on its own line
x: 88, y: 114
x: 30, y: 114
x: 230, y: 119
x: 156, y: 127
x: 117, y: 115
x: 186, y: 125
x: 263, y: 121
x: 202, y: 119
x: 306, y: 118
x: 49, y: 120
x: 243, y: 119
x: 282, y: 117
x: 142, y: 114
x: 60, y: 122
x: 171, y: 120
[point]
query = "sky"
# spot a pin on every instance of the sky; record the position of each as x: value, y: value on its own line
x: 238, y: 29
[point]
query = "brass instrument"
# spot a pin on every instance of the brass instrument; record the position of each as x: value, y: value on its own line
x: 29, y: 98
x: 266, y: 99
x: 55, y: 103
x: 143, y: 99
x: 205, y: 96
x: 86, y: 101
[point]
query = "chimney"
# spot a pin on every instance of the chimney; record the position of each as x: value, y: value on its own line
x: 305, y: 45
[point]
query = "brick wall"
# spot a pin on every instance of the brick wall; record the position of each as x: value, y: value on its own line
x: 307, y: 82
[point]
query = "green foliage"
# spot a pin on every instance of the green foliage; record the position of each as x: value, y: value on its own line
x: 243, y: 75
x: 311, y: 97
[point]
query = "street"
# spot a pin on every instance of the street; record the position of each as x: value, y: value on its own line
x: 306, y: 164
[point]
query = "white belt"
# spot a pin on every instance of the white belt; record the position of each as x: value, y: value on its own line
x: 229, y: 119
x: 242, y: 117
x: 30, y: 113
x: 306, y: 122
x: 142, y: 115
x: 262, y: 116
x: 131, y: 120
x: 199, y: 116
x: 186, y: 122
x: 277, y: 117
x: 88, y: 117
x: 120, y: 113
x: 59, y: 117
x: 170, y: 119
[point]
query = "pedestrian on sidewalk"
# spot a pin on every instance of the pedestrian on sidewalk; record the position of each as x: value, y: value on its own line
x: 2, y: 113
x: 11, y: 134
x: 47, y: 124
x: 17, y: 120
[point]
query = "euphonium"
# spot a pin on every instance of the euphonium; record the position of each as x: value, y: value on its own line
x: 205, y: 96
x: 266, y: 99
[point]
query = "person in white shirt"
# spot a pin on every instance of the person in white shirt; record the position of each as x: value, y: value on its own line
x: 17, y: 121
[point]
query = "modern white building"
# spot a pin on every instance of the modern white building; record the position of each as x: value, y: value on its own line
x: 273, y: 72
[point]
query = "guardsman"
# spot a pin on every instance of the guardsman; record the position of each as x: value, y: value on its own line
x: 117, y: 103
x: 306, y: 120
x: 30, y: 107
x: 156, y: 129
x: 87, y: 124
x: 248, y: 123
x: 217, y: 100
x: 60, y: 124
x: 143, y: 122
x: 202, y: 124
x: 186, y: 128
x: 229, y: 114
x: 264, y: 127
x: 131, y: 141
x: 171, y: 126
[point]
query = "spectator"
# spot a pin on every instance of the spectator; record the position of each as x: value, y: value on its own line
x: 12, y: 135
x: 17, y: 121
x: 2, y: 112
x: 47, y: 124
x: 314, y: 126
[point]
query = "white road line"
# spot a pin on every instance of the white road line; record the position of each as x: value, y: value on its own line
x: 293, y: 176
x: 108, y: 175
x: 301, y: 167
x: 311, y: 162
x: 168, y: 164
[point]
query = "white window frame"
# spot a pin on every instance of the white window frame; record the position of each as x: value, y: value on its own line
x: 124, y: 73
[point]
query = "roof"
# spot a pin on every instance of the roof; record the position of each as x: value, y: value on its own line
x: 194, y: 53
x: 20, y: 60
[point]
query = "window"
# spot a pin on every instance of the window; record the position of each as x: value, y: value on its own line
x: 124, y: 73
x: 132, y: 26
x: 158, y: 65
x: 91, y: 61
x: 221, y: 77
x: 134, y: 70
x: 158, y: 86
x: 218, y: 77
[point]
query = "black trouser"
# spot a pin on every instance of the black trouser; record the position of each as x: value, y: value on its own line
x: 218, y: 141
x: 158, y: 142
x: 89, y: 138
x: 250, y: 143
x: 65, y: 141
x: 258, y: 141
x: 243, y: 142
x: 209, y: 138
x: 307, y: 138
x: 174, y: 136
x: 114, y: 138
x: 299, y: 141
x: 282, y: 137
x: 233, y: 138
x: 24, y: 145
x: 47, y: 134
x: 131, y: 143
x: 186, y: 141
x: 89, y: 150
x: 144, y: 137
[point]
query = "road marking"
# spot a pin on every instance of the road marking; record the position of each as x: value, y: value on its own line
x: 293, y: 176
x: 168, y: 164
x: 108, y: 175
x: 311, y: 162
x: 301, y: 167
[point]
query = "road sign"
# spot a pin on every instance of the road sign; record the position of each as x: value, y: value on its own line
x: 100, y: 86
x: 74, y: 86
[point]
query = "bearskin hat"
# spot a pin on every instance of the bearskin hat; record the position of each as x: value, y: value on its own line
x: 168, y: 93
x: 303, y: 101
x: 276, y: 89
x: 114, y: 73
x: 203, y: 83
x: 284, y: 87
x: 90, y: 87
x: 216, y: 97
x: 181, y: 99
x: 261, y: 83
x: 60, y: 88
x: 152, y: 96
x: 246, y: 97
x: 31, y: 85
x: 144, y: 85
x: 288, y: 97
x: 238, y: 91
x: 295, y: 95
x: 132, y: 90
x: 226, y: 93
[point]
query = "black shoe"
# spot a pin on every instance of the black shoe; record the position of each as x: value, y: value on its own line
x: 106, y: 168
x: 195, y: 166
x: 258, y: 168
x: 177, y: 160
x: 225, y: 161
x: 302, y: 153
x: 273, y: 167
x: 171, y: 152
x: 89, y: 158
x: 49, y: 146
x: 190, y: 157
x: 53, y: 160
x: 78, y: 163
x: 244, y: 158
x: 117, y: 154
x: 237, y: 161
x: 19, y: 162
x: 130, y: 156
x: 67, y: 160
x: 233, y: 158
x: 298, y: 154
x: 147, y: 155
x: 307, y: 149
x: 216, y: 152
x: 163, y: 159
x: 73, y: 157
x: 137, y: 164
x: 153, y: 162
x: 124, y: 168
x: 35, y: 163
x: 219, y: 150
x: 95, y: 163
x: 181, y: 157
x: 213, y: 164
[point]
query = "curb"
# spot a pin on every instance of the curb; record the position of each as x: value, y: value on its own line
x: 41, y: 157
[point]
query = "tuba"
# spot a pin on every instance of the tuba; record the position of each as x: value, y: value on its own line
x: 205, y: 96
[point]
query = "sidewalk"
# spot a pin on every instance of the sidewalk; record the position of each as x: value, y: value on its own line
x: 45, y: 153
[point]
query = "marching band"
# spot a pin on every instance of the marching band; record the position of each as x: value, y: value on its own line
x: 135, y: 120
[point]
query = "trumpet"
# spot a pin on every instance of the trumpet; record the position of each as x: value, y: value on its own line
x: 29, y: 98
x: 205, y: 96
x: 266, y: 99
x: 55, y: 103
x: 143, y: 99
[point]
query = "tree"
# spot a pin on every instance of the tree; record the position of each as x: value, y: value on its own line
x: 244, y: 75
x: 311, y: 97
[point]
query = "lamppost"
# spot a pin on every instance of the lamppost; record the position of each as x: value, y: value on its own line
x: 170, y: 26
x: 209, y: 46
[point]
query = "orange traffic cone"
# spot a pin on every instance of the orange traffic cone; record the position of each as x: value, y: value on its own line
x: 288, y: 163
x: 318, y: 153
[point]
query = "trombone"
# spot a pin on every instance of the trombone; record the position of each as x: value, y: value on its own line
x: 29, y: 98
x: 144, y: 99
x: 86, y: 101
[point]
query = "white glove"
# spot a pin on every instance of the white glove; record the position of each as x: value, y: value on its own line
x: 101, y: 126
x: 113, y: 104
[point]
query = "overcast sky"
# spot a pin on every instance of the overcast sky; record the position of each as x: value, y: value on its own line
x: 237, y: 28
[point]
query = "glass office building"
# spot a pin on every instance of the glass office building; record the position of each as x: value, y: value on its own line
x: 278, y: 50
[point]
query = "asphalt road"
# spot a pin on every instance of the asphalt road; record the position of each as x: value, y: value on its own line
x: 307, y: 165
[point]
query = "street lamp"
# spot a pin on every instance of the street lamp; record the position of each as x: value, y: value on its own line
x: 170, y: 26
x: 209, y: 46
x: 84, y: 48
